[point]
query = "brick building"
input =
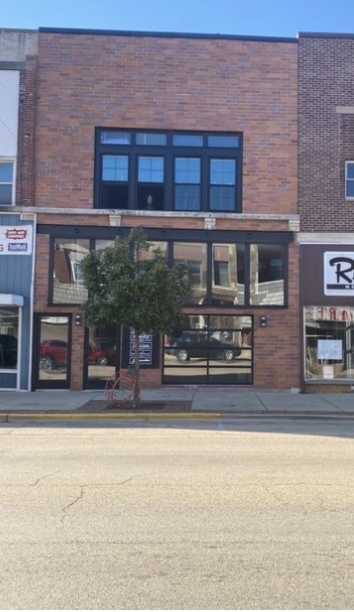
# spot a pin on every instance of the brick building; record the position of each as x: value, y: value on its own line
x: 326, y: 195
x: 195, y: 138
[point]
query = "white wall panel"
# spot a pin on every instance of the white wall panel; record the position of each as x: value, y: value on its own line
x: 9, y: 98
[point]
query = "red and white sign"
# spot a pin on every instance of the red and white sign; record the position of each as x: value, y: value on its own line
x: 16, y: 239
x: 332, y: 313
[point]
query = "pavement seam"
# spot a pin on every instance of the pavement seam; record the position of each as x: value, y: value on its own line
x: 331, y: 404
x: 263, y: 404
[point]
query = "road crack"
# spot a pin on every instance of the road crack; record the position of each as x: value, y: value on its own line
x: 33, y: 484
x: 64, y: 510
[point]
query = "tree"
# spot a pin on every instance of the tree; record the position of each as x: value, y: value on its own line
x: 130, y: 284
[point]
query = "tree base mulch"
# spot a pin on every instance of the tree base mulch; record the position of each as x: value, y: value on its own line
x: 143, y: 406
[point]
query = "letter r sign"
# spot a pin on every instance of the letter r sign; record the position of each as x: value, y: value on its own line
x: 338, y: 275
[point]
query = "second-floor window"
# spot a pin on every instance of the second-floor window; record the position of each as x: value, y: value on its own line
x: 349, y: 180
x: 7, y: 182
x: 180, y: 171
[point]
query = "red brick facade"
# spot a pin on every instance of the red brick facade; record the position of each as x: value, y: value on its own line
x: 87, y: 81
x: 326, y: 143
x: 326, y: 132
x: 166, y: 83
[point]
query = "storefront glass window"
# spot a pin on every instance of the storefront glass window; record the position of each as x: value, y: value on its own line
x: 228, y: 283
x: 329, y: 342
x: 101, y: 353
x: 212, y: 349
x: 194, y: 255
x: 102, y: 245
x: 267, y: 274
x: 68, y: 282
x: 8, y: 337
x: 220, y: 274
x: 154, y: 244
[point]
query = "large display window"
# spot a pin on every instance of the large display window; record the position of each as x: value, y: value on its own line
x: 224, y: 270
x: 329, y: 342
x: 212, y: 349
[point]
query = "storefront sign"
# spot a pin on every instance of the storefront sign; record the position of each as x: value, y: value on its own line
x: 330, y: 349
x: 16, y: 240
x: 330, y: 313
x: 339, y: 273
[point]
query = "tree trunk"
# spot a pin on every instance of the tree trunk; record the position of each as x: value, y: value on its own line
x: 137, y: 365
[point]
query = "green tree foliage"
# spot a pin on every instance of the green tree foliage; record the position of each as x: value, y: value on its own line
x: 130, y: 284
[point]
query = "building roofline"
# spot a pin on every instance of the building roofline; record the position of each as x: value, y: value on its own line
x: 324, y: 35
x: 87, y: 32
x: 20, y: 30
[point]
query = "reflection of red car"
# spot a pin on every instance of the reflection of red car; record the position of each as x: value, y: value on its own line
x: 101, y: 356
x: 54, y: 354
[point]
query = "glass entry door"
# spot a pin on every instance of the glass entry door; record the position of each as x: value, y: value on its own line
x: 53, y: 351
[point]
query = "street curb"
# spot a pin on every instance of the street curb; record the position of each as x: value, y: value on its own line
x: 92, y: 416
x: 290, y: 415
x: 8, y: 417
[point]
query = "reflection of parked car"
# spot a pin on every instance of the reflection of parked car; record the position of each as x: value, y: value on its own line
x: 199, y: 345
x: 101, y: 356
x: 54, y: 354
x: 8, y: 351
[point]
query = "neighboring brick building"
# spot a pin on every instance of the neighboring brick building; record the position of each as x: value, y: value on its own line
x: 326, y: 198
x: 195, y: 138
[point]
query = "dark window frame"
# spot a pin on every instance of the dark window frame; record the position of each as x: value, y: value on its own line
x: 348, y: 180
x: 169, y: 152
x: 10, y: 161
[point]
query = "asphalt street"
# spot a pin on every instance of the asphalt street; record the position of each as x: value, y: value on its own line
x: 231, y: 514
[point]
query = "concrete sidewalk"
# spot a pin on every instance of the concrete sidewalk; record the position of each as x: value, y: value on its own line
x: 196, y: 402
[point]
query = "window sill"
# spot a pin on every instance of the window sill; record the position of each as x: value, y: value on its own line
x: 329, y: 381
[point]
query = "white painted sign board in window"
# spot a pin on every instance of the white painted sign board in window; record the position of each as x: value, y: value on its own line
x: 330, y: 349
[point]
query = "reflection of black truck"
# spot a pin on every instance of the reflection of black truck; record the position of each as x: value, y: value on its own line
x: 8, y: 351
x: 200, y: 345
